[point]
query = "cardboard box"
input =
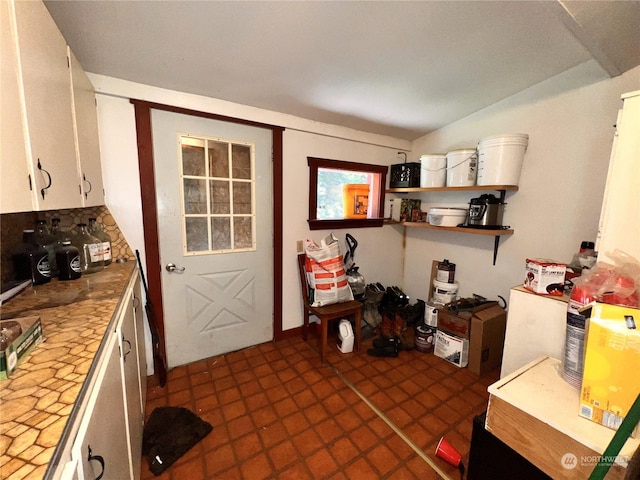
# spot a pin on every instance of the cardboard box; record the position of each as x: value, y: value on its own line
x: 544, y: 276
x: 452, y: 349
x: 487, y: 339
x: 484, y: 327
x: 610, y: 382
x: 17, y: 349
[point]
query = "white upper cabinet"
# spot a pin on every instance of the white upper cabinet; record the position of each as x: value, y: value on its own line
x: 15, y: 195
x: 619, y: 227
x: 86, y: 135
x: 42, y: 57
x: 58, y: 164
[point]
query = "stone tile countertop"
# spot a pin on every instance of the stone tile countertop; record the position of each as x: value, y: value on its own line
x: 38, y: 399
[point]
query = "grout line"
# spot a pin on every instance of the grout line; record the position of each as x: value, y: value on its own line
x: 392, y: 425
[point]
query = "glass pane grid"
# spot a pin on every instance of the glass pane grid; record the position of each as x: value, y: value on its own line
x: 218, y: 196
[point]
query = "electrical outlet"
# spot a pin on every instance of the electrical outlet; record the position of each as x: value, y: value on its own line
x: 299, y: 246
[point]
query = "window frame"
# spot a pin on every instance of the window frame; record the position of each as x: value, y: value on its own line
x: 316, y: 163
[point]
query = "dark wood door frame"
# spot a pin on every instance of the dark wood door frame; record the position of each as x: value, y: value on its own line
x: 150, y: 213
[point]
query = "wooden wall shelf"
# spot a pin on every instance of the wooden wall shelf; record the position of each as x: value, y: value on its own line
x: 506, y: 188
x: 496, y: 233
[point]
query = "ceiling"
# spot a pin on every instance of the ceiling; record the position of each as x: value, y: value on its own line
x: 395, y: 68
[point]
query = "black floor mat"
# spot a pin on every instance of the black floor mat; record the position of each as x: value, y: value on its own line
x: 169, y: 433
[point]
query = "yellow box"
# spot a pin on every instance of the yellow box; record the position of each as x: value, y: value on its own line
x: 611, y: 379
x: 355, y: 199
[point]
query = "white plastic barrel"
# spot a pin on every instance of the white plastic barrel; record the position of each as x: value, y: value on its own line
x: 500, y: 159
x: 462, y: 167
x: 433, y: 170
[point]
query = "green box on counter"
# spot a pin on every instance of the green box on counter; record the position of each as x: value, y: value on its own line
x: 17, y: 337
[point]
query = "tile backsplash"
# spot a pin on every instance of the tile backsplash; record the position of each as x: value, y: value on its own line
x: 12, y: 225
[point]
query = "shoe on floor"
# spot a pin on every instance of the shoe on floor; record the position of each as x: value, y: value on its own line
x: 385, y: 342
x: 383, y: 351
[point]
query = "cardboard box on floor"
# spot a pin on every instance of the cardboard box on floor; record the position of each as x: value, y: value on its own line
x: 485, y: 327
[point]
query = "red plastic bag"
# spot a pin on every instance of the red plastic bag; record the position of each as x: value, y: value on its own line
x: 616, y: 284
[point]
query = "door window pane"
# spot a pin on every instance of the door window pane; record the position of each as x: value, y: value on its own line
x: 241, y: 155
x: 193, y: 159
x: 218, y: 182
x: 195, y: 196
x: 220, y: 199
x: 197, y: 235
x: 221, y: 233
x: 242, y: 232
x: 242, y: 198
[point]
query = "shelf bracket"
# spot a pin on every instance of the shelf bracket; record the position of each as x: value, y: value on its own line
x: 496, y: 242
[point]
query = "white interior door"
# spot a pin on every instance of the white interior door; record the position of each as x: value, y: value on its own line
x: 214, y: 196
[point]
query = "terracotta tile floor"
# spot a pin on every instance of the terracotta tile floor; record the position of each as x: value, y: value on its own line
x: 277, y: 413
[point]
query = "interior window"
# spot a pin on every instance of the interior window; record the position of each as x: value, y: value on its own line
x: 345, y: 194
x: 218, y: 195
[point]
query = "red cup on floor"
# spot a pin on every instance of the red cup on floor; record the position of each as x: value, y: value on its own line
x: 448, y: 453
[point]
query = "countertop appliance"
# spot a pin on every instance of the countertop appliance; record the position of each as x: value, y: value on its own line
x: 485, y: 211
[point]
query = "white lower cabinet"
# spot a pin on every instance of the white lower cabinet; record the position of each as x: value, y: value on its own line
x: 108, y: 442
x: 101, y: 447
x: 126, y: 333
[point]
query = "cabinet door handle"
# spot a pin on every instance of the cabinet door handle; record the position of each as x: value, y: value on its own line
x: 44, y: 189
x: 87, y: 192
x: 124, y: 354
x: 96, y: 458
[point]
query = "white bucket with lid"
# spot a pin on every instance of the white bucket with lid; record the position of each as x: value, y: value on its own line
x: 443, y: 292
x: 500, y: 159
x: 433, y: 170
x: 462, y: 167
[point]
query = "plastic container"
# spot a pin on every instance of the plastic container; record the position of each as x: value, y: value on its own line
x: 355, y: 199
x: 44, y: 238
x: 345, y: 336
x: 97, y: 231
x: 444, y: 293
x: 431, y: 315
x: 500, y: 159
x: 68, y: 261
x: 462, y: 167
x: 433, y: 170
x: 425, y: 338
x: 91, y: 257
x: 446, y: 216
x: 573, y: 365
x: 446, y: 271
x: 31, y: 261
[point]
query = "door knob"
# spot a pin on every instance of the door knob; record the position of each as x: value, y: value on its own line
x: 171, y: 267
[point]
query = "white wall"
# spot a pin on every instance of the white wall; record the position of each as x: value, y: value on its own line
x: 570, y: 126
x: 570, y: 123
x: 380, y: 249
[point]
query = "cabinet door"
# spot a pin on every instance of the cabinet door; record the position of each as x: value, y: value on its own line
x: 15, y: 195
x: 103, y: 430
x: 138, y: 303
x: 46, y: 98
x: 126, y: 332
x: 85, y: 125
x: 619, y: 227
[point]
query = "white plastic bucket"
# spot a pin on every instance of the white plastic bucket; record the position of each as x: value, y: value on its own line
x: 500, y: 159
x: 462, y: 167
x: 433, y: 170
x: 443, y: 292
